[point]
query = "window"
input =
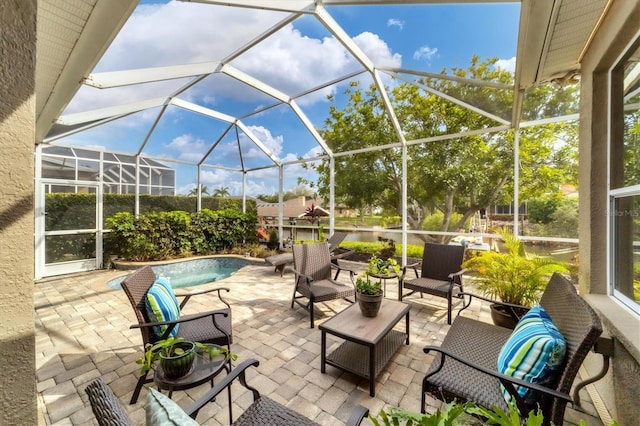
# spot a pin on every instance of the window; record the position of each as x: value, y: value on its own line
x: 624, y: 179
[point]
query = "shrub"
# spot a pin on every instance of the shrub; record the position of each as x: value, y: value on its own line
x: 434, y: 222
x: 540, y: 209
x: 564, y: 221
x: 158, y: 236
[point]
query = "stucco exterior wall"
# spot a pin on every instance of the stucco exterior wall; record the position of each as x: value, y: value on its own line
x: 17, y: 130
x: 620, y: 390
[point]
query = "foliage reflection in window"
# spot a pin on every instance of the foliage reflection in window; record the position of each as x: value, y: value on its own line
x: 625, y: 179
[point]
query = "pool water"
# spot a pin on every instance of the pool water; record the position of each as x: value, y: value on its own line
x: 194, y: 272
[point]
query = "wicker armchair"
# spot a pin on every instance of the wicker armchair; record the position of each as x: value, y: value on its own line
x: 106, y: 406
x: 313, y: 281
x: 206, y: 327
x: 263, y: 410
x: 465, y: 365
x: 440, y: 275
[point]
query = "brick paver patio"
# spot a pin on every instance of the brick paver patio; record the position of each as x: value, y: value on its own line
x: 82, y: 332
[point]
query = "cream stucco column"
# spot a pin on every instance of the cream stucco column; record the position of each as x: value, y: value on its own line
x: 17, y: 134
x: 619, y: 389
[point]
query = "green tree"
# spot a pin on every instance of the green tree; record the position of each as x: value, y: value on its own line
x: 203, y: 191
x: 222, y: 192
x: 461, y: 174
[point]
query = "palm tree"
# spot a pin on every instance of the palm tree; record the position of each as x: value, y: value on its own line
x: 203, y: 191
x: 222, y: 192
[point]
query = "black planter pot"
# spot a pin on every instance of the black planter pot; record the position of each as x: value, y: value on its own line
x: 369, y: 304
x: 501, y: 316
x: 179, y: 365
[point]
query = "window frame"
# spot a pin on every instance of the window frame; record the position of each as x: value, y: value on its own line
x: 620, y: 191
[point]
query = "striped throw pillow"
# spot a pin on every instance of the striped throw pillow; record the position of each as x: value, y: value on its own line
x: 162, y: 305
x: 162, y: 411
x: 534, y: 352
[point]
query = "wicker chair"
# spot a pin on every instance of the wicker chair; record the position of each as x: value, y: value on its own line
x: 263, y: 410
x: 441, y: 274
x: 207, y: 327
x: 465, y: 365
x: 312, y: 267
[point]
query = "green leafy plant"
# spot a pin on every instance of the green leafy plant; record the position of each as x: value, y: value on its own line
x: 394, y: 415
x: 455, y: 413
x: 366, y: 286
x: 513, y: 276
x: 273, y: 241
x: 379, y: 266
x: 171, y: 347
x: 165, y: 235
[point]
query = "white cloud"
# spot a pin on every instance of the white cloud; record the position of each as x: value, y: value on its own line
x: 425, y: 53
x: 395, y: 23
x: 189, y: 147
x: 272, y: 143
x: 184, y: 33
x: 377, y: 50
x: 507, y: 64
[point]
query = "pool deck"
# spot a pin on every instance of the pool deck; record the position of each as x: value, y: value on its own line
x: 82, y: 333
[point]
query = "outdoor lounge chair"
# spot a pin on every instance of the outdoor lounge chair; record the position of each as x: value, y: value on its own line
x: 336, y: 252
x: 335, y: 240
x: 206, y: 327
x: 441, y: 274
x: 263, y: 410
x: 280, y: 261
x: 313, y: 281
x: 465, y: 366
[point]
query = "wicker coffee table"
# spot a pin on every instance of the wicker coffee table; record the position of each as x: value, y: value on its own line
x: 369, y: 342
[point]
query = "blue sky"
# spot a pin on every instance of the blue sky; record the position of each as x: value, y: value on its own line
x: 300, y: 56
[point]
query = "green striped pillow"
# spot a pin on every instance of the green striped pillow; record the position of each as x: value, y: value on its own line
x: 534, y: 352
x: 162, y: 411
x: 162, y: 305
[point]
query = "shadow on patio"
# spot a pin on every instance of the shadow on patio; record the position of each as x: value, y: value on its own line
x: 82, y: 332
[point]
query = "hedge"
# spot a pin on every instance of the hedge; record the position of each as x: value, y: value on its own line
x: 66, y: 211
x: 166, y: 235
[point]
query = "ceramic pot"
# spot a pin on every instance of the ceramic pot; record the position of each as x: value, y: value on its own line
x: 176, y: 366
x: 502, y: 318
x: 369, y: 304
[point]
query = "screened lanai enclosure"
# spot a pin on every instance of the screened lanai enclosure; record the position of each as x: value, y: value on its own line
x: 418, y: 109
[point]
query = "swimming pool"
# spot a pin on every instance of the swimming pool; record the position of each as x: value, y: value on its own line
x: 194, y: 272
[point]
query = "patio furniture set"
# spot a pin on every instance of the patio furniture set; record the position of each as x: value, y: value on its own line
x: 467, y: 367
x: 281, y: 260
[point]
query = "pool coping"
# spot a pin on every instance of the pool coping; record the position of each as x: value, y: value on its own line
x: 123, y: 265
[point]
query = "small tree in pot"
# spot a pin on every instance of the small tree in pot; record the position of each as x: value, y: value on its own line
x: 515, y: 277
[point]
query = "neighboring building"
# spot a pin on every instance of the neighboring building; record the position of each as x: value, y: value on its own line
x: 268, y: 213
x: 118, y: 171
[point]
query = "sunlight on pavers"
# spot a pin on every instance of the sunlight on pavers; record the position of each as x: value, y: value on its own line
x: 82, y: 332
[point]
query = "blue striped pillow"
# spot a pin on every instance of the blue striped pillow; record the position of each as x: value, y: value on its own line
x: 162, y: 305
x: 534, y: 352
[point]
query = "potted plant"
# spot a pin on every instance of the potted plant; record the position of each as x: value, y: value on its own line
x: 379, y: 267
x: 273, y: 242
x: 176, y: 355
x: 369, y: 296
x: 514, y: 277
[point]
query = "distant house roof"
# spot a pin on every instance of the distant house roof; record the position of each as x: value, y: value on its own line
x: 569, y: 190
x: 290, y: 208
